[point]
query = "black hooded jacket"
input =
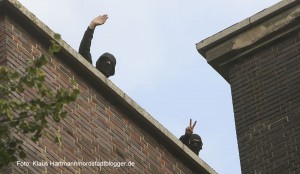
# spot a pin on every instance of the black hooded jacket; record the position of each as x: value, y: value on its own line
x: 193, y: 142
x: 106, y: 62
x: 85, y: 44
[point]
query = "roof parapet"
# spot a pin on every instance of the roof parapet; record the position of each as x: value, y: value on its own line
x: 250, y: 34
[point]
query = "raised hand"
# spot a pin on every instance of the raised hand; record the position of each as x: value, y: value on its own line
x: 190, y: 128
x: 98, y: 21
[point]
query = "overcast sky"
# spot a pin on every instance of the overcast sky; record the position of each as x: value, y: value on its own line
x: 158, y: 65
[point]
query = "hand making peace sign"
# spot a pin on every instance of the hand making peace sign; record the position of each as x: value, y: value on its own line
x: 189, y: 130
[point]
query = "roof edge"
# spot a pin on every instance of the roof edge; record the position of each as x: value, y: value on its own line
x: 250, y: 34
x: 244, y: 25
x: 111, y: 88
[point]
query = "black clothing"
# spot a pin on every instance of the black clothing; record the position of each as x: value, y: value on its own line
x: 192, y: 141
x: 106, y: 62
x: 85, y: 44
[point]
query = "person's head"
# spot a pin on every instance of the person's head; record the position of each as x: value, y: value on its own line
x: 106, y: 64
x: 195, y: 144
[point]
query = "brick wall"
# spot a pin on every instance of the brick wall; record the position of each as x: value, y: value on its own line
x: 260, y: 58
x: 99, y: 127
x: 2, y: 42
x: 266, y: 96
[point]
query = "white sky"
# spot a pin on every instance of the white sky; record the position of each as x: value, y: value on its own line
x: 158, y: 65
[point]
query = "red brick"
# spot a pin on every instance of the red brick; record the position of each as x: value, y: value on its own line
x: 96, y: 128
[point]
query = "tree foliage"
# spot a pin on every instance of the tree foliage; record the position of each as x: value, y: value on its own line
x: 29, y: 117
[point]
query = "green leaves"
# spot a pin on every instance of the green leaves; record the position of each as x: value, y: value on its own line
x: 58, y: 138
x: 38, y: 63
x: 55, y: 47
x: 29, y: 117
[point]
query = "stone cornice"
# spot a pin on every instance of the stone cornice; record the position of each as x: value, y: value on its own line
x: 250, y: 34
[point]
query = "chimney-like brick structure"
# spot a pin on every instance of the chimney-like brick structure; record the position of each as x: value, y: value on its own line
x: 104, y: 125
x: 260, y: 58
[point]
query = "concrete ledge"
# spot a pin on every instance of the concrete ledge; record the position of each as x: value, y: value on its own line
x: 115, y: 94
x: 241, y: 38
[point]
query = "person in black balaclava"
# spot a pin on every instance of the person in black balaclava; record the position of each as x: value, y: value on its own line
x: 192, y: 141
x: 106, y: 62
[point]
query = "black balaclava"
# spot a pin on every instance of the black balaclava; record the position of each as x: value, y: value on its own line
x: 106, y: 64
x: 195, y: 143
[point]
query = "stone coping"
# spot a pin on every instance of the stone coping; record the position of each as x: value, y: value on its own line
x: 20, y: 12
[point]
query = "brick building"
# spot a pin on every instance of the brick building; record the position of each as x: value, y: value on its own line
x: 104, y: 123
x: 260, y: 58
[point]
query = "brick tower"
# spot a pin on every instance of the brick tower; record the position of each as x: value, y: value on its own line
x: 260, y: 58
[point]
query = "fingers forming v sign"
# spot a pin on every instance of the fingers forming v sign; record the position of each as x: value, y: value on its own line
x: 192, y: 127
x: 189, y: 129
